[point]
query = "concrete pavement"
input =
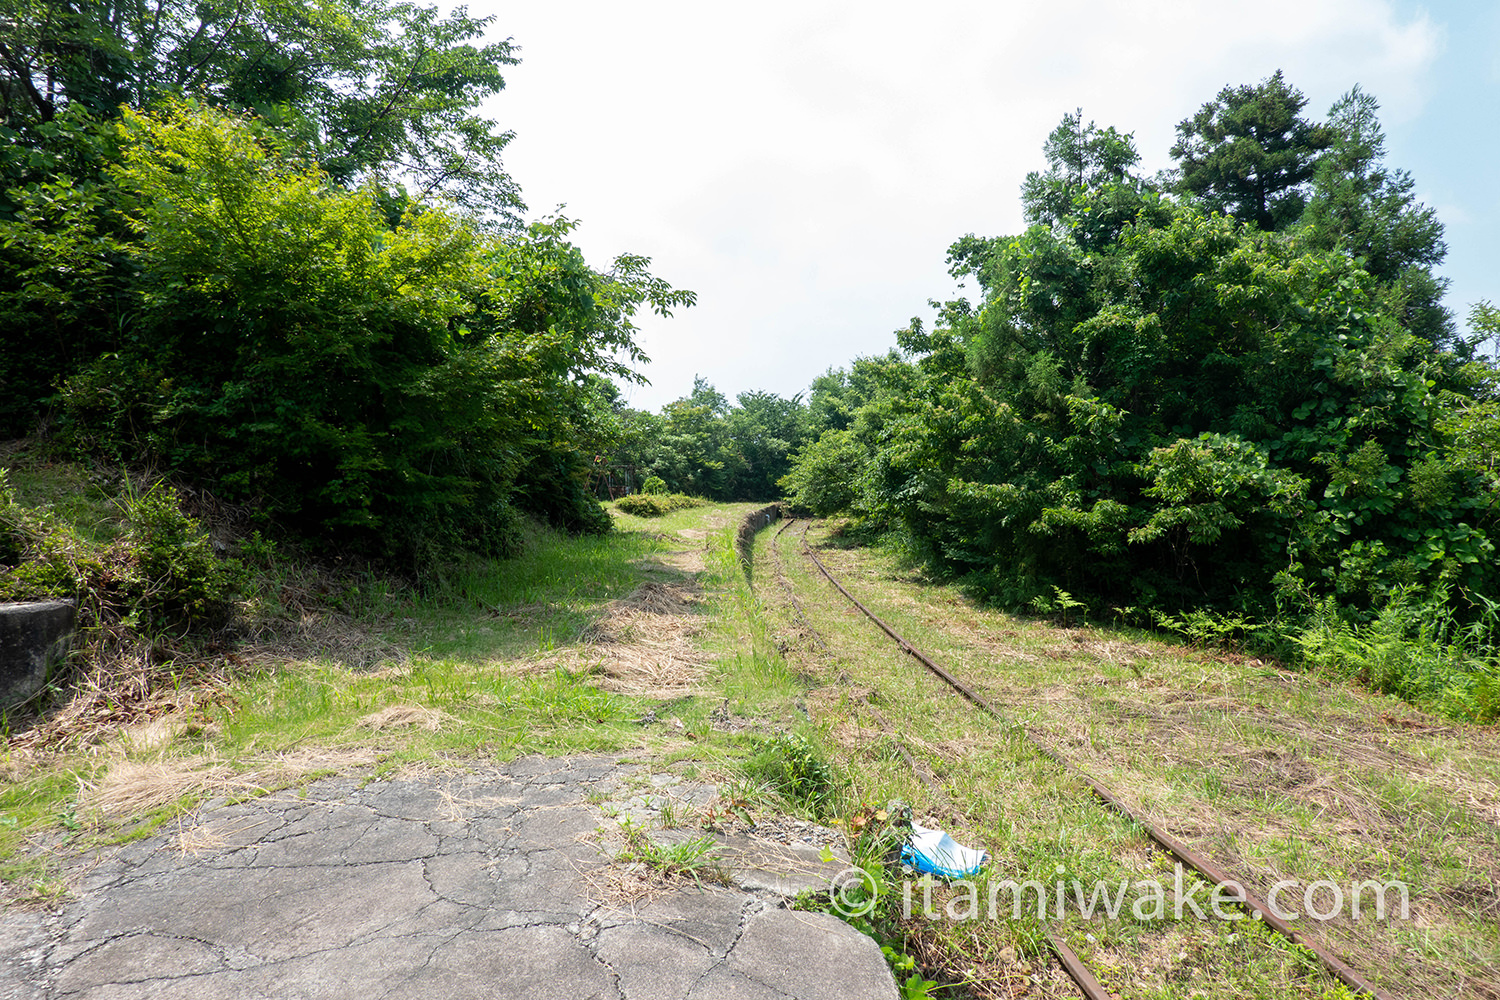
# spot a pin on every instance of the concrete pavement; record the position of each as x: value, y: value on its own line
x: 495, y: 882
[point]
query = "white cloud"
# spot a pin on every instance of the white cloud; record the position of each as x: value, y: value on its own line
x: 802, y: 166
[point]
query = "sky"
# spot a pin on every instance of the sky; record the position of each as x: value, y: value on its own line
x: 803, y: 167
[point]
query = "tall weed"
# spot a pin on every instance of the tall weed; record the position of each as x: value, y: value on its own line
x: 1414, y: 648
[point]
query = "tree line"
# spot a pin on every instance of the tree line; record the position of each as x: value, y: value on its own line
x: 1231, y: 389
x: 704, y: 445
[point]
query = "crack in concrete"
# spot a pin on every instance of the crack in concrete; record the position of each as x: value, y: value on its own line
x: 500, y: 876
x: 426, y: 964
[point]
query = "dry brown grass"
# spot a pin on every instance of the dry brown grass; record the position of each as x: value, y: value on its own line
x: 407, y: 717
x: 129, y: 686
x: 308, y: 631
x: 643, y: 644
x: 134, y: 788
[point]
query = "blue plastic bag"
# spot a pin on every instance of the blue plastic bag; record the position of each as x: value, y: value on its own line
x: 936, y: 853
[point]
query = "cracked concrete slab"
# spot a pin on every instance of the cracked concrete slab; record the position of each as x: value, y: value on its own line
x: 480, y: 883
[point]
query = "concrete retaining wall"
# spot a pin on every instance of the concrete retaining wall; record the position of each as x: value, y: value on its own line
x: 750, y: 525
x: 34, y: 639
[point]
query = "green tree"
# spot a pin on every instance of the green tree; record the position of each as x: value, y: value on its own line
x: 1192, y: 413
x: 764, y: 429
x: 1360, y: 206
x: 401, y: 389
x: 825, y: 475
x: 1086, y: 166
x: 368, y: 89
x: 692, y: 455
x: 1249, y: 152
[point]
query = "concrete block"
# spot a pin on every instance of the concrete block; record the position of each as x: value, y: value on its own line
x: 34, y: 638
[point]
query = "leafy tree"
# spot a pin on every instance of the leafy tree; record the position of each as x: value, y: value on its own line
x: 826, y: 474
x: 1250, y: 153
x: 1360, y: 206
x: 380, y: 92
x: 704, y: 446
x: 403, y: 389
x: 1086, y: 165
x: 1189, y: 413
x: 836, y: 396
x: 692, y: 455
x: 829, y: 406
x: 369, y: 89
x: 764, y: 429
x: 62, y: 263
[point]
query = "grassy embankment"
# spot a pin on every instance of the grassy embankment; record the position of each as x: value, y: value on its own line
x: 326, y: 669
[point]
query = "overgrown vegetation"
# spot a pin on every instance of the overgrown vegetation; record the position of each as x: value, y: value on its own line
x: 228, y: 286
x: 704, y: 445
x: 650, y: 504
x: 504, y: 658
x: 1265, y: 417
x: 1272, y: 774
x: 797, y: 770
x: 140, y: 569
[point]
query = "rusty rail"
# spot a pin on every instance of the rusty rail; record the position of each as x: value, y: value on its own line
x: 1335, y: 966
x: 790, y: 593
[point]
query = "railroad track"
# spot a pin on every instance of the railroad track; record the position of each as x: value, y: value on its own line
x: 1075, y: 968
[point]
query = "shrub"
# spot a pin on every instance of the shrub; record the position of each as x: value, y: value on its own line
x: 825, y: 474
x: 655, y: 505
x: 1416, y: 648
x: 175, y: 581
x: 654, y: 485
x: 162, y: 574
x: 375, y: 374
x: 41, y: 558
x: 797, y: 769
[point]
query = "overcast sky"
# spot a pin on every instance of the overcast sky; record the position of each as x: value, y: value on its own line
x: 804, y: 166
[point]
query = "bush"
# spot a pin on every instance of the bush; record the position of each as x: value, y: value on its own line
x: 825, y: 475
x: 654, y: 485
x: 797, y: 769
x: 39, y: 558
x: 375, y: 374
x: 1416, y: 649
x: 175, y: 582
x: 161, y: 575
x: 655, y: 505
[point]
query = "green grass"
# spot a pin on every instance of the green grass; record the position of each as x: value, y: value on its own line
x: 455, y: 650
x: 1226, y: 751
x: 1272, y: 774
x: 541, y: 599
x: 66, y: 493
x: 694, y: 858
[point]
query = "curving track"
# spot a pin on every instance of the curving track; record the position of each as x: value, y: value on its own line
x: 1075, y: 968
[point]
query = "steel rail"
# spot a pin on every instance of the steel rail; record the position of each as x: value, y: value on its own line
x: 1335, y: 966
x: 785, y: 585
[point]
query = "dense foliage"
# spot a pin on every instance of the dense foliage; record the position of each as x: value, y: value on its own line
x: 159, y: 575
x: 1160, y: 408
x: 210, y: 262
x: 704, y: 446
x: 367, y: 89
x: 646, y: 504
